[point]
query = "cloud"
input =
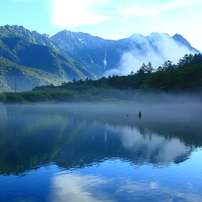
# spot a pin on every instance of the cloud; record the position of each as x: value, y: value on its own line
x: 25, y: 0
x: 68, y: 14
x: 75, y: 13
x: 189, y: 10
x: 164, y: 48
x: 154, y: 8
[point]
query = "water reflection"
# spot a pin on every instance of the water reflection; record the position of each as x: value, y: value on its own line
x: 74, y: 186
x: 100, y: 153
x: 76, y: 136
x: 151, y: 147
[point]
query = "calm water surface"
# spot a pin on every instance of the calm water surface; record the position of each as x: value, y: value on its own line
x: 94, y: 153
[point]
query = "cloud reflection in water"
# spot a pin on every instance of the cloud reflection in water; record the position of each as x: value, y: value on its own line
x: 73, y: 186
x: 151, y: 147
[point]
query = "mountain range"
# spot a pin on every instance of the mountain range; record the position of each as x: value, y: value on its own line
x: 29, y: 59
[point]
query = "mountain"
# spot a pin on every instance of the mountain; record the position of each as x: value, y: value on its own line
x: 22, y: 78
x: 68, y: 55
x: 24, y: 49
x: 183, y: 42
x: 101, y: 55
x: 97, y: 53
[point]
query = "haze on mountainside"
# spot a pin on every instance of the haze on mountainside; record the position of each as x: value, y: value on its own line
x: 68, y: 55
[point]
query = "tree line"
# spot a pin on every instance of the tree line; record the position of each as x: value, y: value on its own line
x: 183, y: 77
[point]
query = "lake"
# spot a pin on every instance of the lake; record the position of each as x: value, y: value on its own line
x: 97, y: 152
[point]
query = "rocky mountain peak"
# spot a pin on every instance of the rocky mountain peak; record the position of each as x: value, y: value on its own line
x: 38, y: 35
x: 182, y: 41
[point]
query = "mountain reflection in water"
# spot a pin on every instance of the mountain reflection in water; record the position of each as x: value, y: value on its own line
x: 82, y: 136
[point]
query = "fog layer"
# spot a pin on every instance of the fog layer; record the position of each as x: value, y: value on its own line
x: 155, y: 48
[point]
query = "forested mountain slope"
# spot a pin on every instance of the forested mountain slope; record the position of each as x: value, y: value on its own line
x: 76, y: 55
x: 28, y: 53
x: 179, y: 82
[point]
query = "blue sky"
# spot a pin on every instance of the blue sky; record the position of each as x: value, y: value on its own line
x: 109, y: 19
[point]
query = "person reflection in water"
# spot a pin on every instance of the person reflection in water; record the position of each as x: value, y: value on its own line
x: 140, y: 115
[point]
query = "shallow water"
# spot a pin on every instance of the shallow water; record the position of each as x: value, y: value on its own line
x: 81, y: 152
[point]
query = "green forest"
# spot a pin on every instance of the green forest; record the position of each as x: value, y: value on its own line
x: 147, y: 84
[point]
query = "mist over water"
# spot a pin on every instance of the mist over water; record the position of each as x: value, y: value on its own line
x: 101, y: 152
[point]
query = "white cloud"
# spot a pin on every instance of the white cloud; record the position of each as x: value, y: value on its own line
x: 132, y: 60
x: 68, y: 13
x: 123, y: 18
x: 25, y: 0
x: 189, y: 10
x: 154, y: 8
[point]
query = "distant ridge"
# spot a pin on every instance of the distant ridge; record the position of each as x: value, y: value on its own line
x: 181, y: 40
x: 68, y: 55
x: 108, y: 54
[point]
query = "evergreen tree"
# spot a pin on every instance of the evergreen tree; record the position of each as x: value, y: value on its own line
x: 149, y: 68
